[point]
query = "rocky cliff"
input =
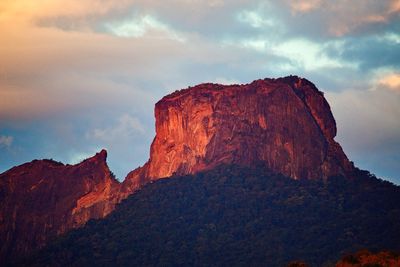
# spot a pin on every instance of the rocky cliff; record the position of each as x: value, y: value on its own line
x: 44, y: 198
x: 284, y: 123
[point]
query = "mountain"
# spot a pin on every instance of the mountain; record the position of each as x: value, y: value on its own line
x: 44, y: 198
x: 237, y: 216
x: 285, y: 124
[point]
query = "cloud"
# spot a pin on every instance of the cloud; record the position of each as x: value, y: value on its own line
x: 255, y: 20
x: 304, y: 6
x: 95, y: 68
x: 369, y: 128
x: 343, y: 17
x: 391, y: 81
x: 127, y: 139
x: 135, y: 27
x: 368, y: 53
x: 138, y: 27
x: 6, y: 141
x: 394, y: 7
x: 309, y: 55
x: 126, y: 127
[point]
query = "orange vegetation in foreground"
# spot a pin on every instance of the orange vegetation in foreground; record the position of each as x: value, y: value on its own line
x: 366, y: 258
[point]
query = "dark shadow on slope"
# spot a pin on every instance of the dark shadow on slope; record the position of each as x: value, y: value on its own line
x: 234, y: 216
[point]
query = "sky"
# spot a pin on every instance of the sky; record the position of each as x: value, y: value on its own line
x: 78, y: 76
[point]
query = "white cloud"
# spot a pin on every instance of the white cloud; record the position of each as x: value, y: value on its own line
x: 303, y: 53
x: 125, y: 127
x: 138, y: 27
x: 6, y: 140
x: 255, y: 20
x: 308, y: 54
x: 393, y: 38
x: 259, y: 45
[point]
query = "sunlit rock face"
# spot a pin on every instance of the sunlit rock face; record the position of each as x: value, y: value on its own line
x: 284, y: 123
x: 43, y: 198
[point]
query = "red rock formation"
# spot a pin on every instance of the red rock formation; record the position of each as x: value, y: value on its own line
x: 284, y: 123
x: 44, y: 198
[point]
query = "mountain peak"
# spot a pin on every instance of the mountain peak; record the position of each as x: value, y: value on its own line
x: 48, y: 198
x: 293, y: 81
x: 100, y: 156
x: 284, y: 123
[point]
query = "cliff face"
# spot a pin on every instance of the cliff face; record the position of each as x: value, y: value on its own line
x: 283, y: 123
x: 44, y: 198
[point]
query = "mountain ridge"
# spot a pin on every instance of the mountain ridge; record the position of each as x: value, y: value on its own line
x: 236, y: 216
x: 284, y: 124
x: 44, y: 198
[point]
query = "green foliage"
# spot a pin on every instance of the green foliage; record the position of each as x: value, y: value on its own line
x: 233, y: 216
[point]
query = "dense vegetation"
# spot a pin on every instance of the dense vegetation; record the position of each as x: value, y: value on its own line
x: 365, y: 258
x: 233, y: 216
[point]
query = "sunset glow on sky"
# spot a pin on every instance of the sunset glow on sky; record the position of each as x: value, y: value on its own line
x: 78, y: 76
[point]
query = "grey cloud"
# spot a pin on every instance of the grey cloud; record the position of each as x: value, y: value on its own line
x: 127, y: 127
x: 68, y: 73
x: 369, y: 52
x: 216, y: 20
x: 340, y: 18
x: 368, y: 128
x: 6, y: 140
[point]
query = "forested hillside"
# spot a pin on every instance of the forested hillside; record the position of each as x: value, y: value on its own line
x: 234, y: 216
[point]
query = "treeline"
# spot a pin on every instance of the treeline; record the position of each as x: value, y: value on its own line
x: 234, y: 216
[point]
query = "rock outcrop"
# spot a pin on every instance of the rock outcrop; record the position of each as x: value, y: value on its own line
x: 44, y: 198
x: 284, y: 123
